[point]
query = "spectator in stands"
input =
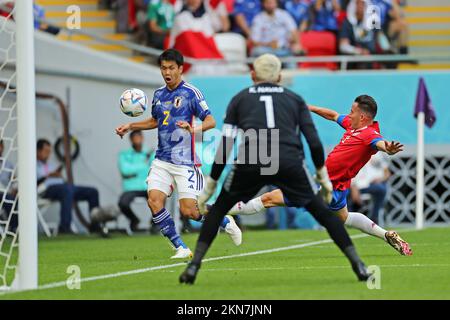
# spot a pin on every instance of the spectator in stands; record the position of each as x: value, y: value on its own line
x: 323, y: 15
x: 161, y: 15
x: 199, y: 7
x: 356, y: 36
x: 244, y: 13
x: 211, y: 22
x: 300, y: 11
x: 108, y: 4
x: 6, y: 8
x: 134, y: 164
x: 193, y: 34
x: 141, y: 21
x: 6, y: 190
x: 51, y: 185
x: 344, y: 4
x: 275, y: 31
x: 372, y: 179
x: 393, y: 24
x: 217, y: 9
x: 39, y: 14
x: 122, y: 16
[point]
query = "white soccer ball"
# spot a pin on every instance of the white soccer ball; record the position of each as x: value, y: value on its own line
x: 133, y: 102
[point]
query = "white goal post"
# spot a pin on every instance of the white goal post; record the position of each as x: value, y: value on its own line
x: 26, y: 116
x: 18, y: 131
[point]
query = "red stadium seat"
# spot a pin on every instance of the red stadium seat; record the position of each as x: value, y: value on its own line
x: 318, y: 43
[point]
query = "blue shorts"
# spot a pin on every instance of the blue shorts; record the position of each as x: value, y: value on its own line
x: 339, y: 200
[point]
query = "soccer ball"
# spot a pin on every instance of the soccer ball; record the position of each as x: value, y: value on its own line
x: 133, y: 102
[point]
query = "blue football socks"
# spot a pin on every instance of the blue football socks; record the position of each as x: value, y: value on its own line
x: 167, y: 227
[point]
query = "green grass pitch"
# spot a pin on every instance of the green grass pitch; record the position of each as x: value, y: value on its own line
x: 311, y: 272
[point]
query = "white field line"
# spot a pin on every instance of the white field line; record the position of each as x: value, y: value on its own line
x: 325, y: 267
x: 318, y: 267
x: 174, y: 265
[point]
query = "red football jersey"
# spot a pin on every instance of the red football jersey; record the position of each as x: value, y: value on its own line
x: 352, y: 153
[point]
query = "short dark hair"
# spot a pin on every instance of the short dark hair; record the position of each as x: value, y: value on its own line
x: 41, y: 143
x: 171, y: 55
x: 134, y: 133
x: 367, y: 104
x: 278, y: 2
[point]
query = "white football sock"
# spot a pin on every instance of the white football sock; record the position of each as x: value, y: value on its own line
x: 251, y: 207
x: 359, y: 221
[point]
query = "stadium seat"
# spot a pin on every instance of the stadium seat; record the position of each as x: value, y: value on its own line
x: 233, y: 46
x: 319, y: 43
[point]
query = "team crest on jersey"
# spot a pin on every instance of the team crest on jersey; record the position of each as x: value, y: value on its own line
x: 177, y: 102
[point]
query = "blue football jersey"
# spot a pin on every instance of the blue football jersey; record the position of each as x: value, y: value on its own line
x: 184, y: 103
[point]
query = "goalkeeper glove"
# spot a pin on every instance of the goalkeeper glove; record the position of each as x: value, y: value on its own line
x: 326, y: 190
x: 207, y: 192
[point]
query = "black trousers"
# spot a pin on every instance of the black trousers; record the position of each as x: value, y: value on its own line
x: 125, y: 203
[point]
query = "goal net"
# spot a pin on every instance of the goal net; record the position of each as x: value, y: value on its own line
x: 8, y: 148
x: 18, y: 270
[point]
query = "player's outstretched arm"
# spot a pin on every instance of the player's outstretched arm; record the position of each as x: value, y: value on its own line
x: 146, y: 124
x: 390, y: 148
x: 324, y: 112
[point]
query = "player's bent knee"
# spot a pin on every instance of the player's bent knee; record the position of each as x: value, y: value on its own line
x: 189, y: 210
x: 191, y: 213
x: 155, y: 203
x: 342, y: 216
x: 272, y: 199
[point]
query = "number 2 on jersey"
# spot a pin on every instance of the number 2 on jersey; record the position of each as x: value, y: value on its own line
x: 167, y: 114
x: 268, y: 102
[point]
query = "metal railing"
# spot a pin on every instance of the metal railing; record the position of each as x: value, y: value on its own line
x: 342, y: 60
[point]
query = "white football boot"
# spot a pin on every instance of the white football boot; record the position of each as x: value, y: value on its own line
x: 182, y: 253
x: 233, y: 231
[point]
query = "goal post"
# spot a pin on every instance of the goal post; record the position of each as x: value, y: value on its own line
x: 26, y: 123
x: 18, y: 202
